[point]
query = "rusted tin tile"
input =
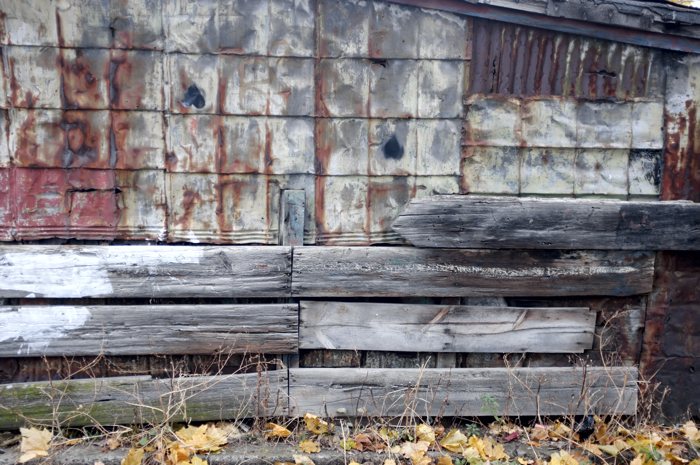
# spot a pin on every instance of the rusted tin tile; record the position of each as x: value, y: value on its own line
x: 341, y: 210
x: 60, y: 139
x: 137, y: 24
x: 393, y: 147
x: 292, y: 24
x: 136, y: 80
x: 28, y: 22
x: 64, y: 203
x: 393, y: 31
x: 267, y: 86
x: 194, y: 83
x: 244, y: 27
x: 440, y: 89
x: 604, y: 125
x: 4, y: 139
x: 644, y: 172
x: 191, y: 27
x: 289, y: 146
x: 239, y: 209
x: 438, y: 150
x: 3, y: 81
x: 34, y: 76
x: 491, y: 170
x: 84, y: 24
x: 342, y: 146
x: 386, y: 197
x: 142, y: 205
x: 193, y: 143
x: 547, y: 171
x: 6, y: 217
x: 517, y: 60
x: 243, y: 145
x: 342, y: 88
x: 343, y: 28
x: 137, y: 140
x: 85, y: 78
x: 647, y: 125
x: 549, y: 122
x: 601, y: 172
x: 443, y: 36
x: 393, y: 88
x: 493, y: 121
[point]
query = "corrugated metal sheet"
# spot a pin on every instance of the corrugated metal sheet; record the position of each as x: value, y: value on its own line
x: 522, y: 61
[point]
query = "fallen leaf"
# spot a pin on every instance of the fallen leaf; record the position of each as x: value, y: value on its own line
x: 524, y: 461
x: 315, y: 425
x: 562, y: 458
x: 273, y: 430
x: 352, y: 462
x: 134, y: 456
x: 425, y: 433
x: 691, y: 433
x: 455, y: 441
x: 114, y: 443
x: 610, y: 450
x: 204, y: 438
x: 303, y: 460
x: 197, y: 461
x: 348, y: 444
x: 389, y: 462
x: 444, y: 460
x: 309, y: 446
x: 637, y: 460
x: 98, y: 462
x: 410, y: 448
x: 389, y: 435
x: 35, y: 443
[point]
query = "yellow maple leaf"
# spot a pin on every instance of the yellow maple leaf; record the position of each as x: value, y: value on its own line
x: 425, y: 433
x: 315, y: 425
x: 197, y: 461
x: 562, y: 458
x: 493, y: 450
x: 455, y: 441
x: 389, y: 462
x: 35, y: 443
x: 309, y: 446
x: 410, y: 448
x: 134, y: 456
x: 444, y: 460
x: 303, y: 460
x: 204, y: 438
x: 273, y: 430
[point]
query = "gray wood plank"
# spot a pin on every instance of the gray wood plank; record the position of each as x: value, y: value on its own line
x: 462, y: 391
x: 444, y: 328
x: 144, y: 271
x: 469, y: 221
x: 139, y: 399
x: 148, y: 329
x: 408, y: 271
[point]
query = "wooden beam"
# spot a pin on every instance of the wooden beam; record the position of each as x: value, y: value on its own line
x: 444, y: 328
x: 462, y: 391
x: 148, y: 329
x: 139, y: 399
x: 144, y: 271
x: 470, y: 221
x: 408, y: 271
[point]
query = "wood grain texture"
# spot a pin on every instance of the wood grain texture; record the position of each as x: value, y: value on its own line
x: 139, y: 399
x: 408, y: 271
x: 144, y: 271
x: 148, y: 329
x: 444, y: 328
x: 462, y: 392
x: 469, y: 221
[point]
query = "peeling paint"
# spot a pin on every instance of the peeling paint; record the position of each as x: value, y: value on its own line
x: 39, y: 329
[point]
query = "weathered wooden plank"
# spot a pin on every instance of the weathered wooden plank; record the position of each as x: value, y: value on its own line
x: 408, y: 271
x: 144, y: 271
x: 444, y: 328
x: 462, y: 392
x: 469, y: 221
x: 148, y: 329
x: 139, y: 399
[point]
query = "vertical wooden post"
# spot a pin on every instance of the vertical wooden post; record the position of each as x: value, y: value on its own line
x: 292, y: 214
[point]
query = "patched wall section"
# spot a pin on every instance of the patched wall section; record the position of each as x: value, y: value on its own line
x: 183, y: 121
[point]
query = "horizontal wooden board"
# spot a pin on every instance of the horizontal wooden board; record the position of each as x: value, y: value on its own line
x: 470, y: 221
x: 140, y: 399
x: 148, y: 329
x: 144, y: 271
x: 409, y: 271
x: 462, y: 392
x: 444, y: 328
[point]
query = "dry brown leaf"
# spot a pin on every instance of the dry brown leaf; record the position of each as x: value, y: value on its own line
x: 309, y: 446
x: 315, y: 425
x: 114, y: 442
x: 273, y: 430
x: 197, y: 461
x: 562, y: 458
x: 389, y: 462
x: 444, y: 460
x: 134, y: 456
x: 691, y: 433
x: 524, y: 461
x: 35, y: 443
